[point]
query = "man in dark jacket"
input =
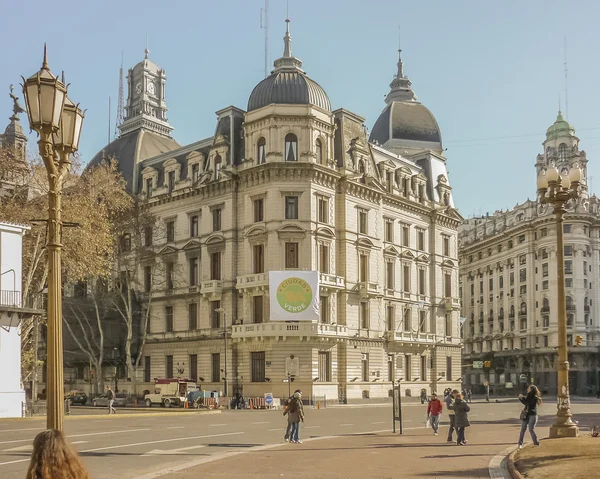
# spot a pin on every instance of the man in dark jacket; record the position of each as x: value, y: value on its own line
x: 449, y: 400
x: 461, y: 419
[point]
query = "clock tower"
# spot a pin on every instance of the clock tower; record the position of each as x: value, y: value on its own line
x: 146, y: 107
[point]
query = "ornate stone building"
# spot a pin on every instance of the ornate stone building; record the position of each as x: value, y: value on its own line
x: 509, y: 284
x: 290, y: 184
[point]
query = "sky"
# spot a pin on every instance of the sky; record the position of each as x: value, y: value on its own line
x: 492, y: 73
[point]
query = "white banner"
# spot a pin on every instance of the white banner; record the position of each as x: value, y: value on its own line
x: 294, y: 295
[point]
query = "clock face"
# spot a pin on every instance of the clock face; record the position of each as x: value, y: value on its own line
x: 138, y: 88
x: 151, y: 88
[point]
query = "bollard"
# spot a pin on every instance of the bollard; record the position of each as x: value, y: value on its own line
x: 319, y: 405
x: 135, y: 403
x: 251, y: 406
x: 185, y: 405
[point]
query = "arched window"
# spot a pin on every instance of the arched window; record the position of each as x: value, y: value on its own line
x: 523, y: 308
x: 501, y: 314
x: 570, y: 304
x: 481, y: 316
x: 562, y: 151
x: 261, y: 153
x: 491, y: 315
x: 319, y: 152
x: 218, y: 165
x: 291, y: 147
x: 512, y: 310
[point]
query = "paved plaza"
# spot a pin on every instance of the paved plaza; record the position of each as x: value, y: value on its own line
x: 345, y: 441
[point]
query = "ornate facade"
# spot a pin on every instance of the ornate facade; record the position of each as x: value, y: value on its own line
x: 290, y: 184
x: 508, y: 284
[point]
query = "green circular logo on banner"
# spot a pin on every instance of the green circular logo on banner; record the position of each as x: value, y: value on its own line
x: 294, y: 295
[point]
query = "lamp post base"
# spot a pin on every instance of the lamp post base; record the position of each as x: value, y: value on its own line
x: 564, y: 430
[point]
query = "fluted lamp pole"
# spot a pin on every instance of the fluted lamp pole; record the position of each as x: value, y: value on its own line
x: 58, y: 122
x: 556, y: 189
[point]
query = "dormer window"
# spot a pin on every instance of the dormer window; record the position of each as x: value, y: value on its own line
x: 218, y: 165
x: 171, y: 181
x: 319, y: 152
x: 148, y: 188
x: 291, y: 147
x: 261, y: 151
x: 362, y: 171
x: 195, y: 172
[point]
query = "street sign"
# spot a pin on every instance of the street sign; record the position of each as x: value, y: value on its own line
x: 523, y: 378
x: 508, y: 385
x: 477, y: 364
x: 269, y: 399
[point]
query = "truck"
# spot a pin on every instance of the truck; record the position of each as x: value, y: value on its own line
x: 170, y: 392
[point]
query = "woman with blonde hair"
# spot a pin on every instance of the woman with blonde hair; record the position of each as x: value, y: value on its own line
x: 529, y: 414
x: 53, y: 458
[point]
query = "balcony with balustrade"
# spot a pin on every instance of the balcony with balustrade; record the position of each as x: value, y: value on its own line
x: 330, y: 282
x: 186, y: 335
x: 255, y: 281
x: 212, y: 289
x: 282, y: 329
x: 368, y: 289
x: 452, y: 303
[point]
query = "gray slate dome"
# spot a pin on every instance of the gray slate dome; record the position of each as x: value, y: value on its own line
x: 288, y: 84
x: 404, y: 119
x: 288, y: 87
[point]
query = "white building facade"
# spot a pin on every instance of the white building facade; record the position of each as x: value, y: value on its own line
x: 12, y: 394
x: 508, y: 282
x: 290, y: 184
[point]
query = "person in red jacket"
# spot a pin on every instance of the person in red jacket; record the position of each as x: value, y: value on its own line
x: 434, y: 409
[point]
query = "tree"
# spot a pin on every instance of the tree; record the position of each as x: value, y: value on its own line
x: 92, y: 200
x: 138, y: 274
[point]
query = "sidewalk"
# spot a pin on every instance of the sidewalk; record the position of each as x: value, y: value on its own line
x: 416, y: 454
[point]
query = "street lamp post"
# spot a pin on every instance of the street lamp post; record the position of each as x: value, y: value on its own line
x: 556, y: 189
x: 222, y: 311
x: 57, y: 120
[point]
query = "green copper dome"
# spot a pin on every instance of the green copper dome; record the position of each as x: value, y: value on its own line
x: 560, y: 127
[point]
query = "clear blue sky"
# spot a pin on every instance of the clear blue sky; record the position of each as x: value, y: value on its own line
x: 491, y: 72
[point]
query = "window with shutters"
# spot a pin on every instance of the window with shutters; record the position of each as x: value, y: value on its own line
x: 324, y: 309
x: 365, y: 366
x: 324, y: 366
x: 215, y: 265
x: 147, y: 369
x: 259, y: 210
x: 194, y: 226
x: 215, y: 315
x: 291, y: 207
x: 291, y: 255
x: 169, y: 320
x: 193, y: 316
x: 257, y: 366
x: 169, y: 367
x: 323, y: 210
x: 324, y: 258
x: 216, y: 216
x: 364, y: 315
x: 257, y: 309
x: 193, y: 361
x: 259, y: 258
x: 215, y: 367
x: 193, y: 271
x: 170, y: 231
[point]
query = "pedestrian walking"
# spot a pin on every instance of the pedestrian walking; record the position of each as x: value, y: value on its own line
x: 295, y: 415
x: 449, y: 400
x: 461, y: 420
x: 434, y: 409
x: 469, y: 395
x: 110, y: 396
x: 529, y: 414
x: 53, y: 458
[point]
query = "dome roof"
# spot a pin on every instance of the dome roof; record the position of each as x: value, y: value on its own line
x: 288, y: 84
x: 288, y: 87
x: 560, y: 127
x: 406, y: 120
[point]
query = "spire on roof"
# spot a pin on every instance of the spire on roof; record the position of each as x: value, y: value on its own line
x: 401, y: 86
x: 287, y: 61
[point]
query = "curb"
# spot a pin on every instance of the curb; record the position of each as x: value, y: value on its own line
x: 107, y: 416
x: 512, y: 468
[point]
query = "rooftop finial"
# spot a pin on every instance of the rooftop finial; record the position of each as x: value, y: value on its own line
x: 287, y: 51
x: 400, y: 73
x: 45, y: 63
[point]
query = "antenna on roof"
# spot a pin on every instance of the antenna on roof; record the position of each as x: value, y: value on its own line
x: 264, y: 25
x: 566, y: 85
x: 108, y: 119
x: 121, y: 99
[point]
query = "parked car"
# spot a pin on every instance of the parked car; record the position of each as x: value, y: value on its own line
x: 77, y: 397
x: 102, y: 400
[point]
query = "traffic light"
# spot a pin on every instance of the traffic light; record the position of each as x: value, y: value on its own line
x: 487, y: 364
x: 578, y: 340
